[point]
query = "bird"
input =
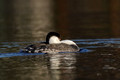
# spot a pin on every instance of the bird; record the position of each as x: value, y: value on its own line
x: 53, y: 44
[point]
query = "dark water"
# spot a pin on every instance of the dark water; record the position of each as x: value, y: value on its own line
x: 92, y: 24
x: 98, y: 60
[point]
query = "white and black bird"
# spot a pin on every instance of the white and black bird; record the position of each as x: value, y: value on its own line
x: 53, y: 44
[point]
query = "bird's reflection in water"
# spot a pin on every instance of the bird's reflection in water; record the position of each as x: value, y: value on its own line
x: 62, y: 63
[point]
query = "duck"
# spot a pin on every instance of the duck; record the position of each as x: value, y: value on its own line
x: 53, y: 44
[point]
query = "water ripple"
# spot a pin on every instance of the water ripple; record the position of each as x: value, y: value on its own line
x: 9, y: 49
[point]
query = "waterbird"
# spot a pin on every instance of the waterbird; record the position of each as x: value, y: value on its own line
x: 53, y: 44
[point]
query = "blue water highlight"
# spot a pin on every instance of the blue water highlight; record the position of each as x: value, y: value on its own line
x: 7, y: 49
x: 2, y: 55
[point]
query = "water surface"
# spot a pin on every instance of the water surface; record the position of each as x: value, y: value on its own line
x: 92, y: 24
x: 98, y: 60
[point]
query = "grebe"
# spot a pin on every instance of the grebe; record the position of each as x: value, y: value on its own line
x: 52, y: 44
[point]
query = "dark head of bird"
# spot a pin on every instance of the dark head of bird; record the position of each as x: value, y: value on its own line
x: 50, y: 34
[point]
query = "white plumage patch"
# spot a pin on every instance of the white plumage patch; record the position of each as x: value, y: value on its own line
x: 69, y: 42
x: 54, y: 40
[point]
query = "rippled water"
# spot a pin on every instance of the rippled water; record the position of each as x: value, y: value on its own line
x: 92, y: 24
x: 98, y: 60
